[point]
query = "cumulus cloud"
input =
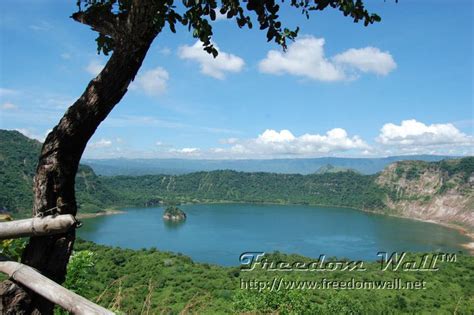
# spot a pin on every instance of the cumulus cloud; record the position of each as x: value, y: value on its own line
x: 8, y: 106
x: 152, y: 82
x: 94, y: 67
x: 306, y: 58
x: 214, y: 67
x: 368, y: 59
x: 415, y: 135
x: 284, y: 142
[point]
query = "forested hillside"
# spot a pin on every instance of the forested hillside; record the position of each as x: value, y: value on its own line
x: 18, y: 160
x: 337, y: 189
x: 438, y: 191
x: 129, y: 281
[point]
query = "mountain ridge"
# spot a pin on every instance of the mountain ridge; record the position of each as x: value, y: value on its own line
x: 439, y: 191
x: 304, y: 166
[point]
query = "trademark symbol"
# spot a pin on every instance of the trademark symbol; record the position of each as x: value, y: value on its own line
x: 444, y: 257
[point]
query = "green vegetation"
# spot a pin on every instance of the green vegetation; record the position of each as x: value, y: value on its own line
x: 453, y: 174
x: 464, y: 166
x: 18, y: 160
x: 130, y: 281
x: 328, y: 168
x: 334, y: 187
x: 174, y: 213
x: 12, y: 248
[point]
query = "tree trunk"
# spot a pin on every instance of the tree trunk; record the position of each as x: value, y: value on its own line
x: 58, y: 164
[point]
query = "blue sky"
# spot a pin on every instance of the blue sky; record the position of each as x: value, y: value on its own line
x: 402, y: 86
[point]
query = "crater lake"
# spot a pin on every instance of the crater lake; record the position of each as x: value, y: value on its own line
x: 220, y: 233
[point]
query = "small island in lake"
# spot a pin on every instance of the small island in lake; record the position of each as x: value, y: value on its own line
x: 173, y: 213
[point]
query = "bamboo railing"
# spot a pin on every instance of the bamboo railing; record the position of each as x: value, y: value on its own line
x: 34, y: 280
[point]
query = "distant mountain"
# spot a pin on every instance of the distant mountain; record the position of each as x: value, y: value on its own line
x: 122, y: 166
x: 440, y: 191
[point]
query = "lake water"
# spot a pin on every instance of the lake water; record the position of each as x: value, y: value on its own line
x: 219, y: 233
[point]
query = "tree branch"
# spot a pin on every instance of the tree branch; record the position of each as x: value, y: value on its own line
x: 106, y: 24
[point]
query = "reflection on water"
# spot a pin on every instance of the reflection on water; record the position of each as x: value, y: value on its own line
x: 219, y: 233
x: 173, y: 225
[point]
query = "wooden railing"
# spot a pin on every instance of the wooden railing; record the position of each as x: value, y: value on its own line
x: 31, y: 278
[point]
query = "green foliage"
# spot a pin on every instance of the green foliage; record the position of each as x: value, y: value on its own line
x: 347, y: 189
x: 174, y: 211
x: 342, y: 303
x: 196, y: 14
x: 12, y: 248
x: 413, y: 173
x: 464, y: 166
x: 18, y: 160
x: 175, y: 283
x: 80, y: 265
x: 294, y: 302
x: 96, y: 193
x: 328, y: 168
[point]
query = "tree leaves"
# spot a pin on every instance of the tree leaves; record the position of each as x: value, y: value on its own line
x: 197, y: 13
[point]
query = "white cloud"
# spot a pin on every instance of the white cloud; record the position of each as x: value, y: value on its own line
x: 279, y: 143
x: 8, y: 106
x: 272, y: 136
x: 100, y: 144
x: 152, y: 82
x: 214, y: 67
x: 306, y: 58
x: 94, y: 67
x: 189, y: 150
x: 414, y: 137
x: 368, y: 59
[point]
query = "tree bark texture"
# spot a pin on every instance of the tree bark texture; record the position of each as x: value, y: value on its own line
x: 62, y: 150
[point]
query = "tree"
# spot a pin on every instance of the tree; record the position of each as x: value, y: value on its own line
x: 126, y: 29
